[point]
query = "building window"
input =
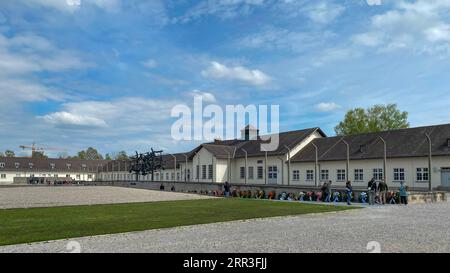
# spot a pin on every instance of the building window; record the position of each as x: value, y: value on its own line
x: 78, y: 176
x: 309, y: 175
x: 340, y: 175
x: 68, y: 166
x: 2, y: 165
x: 324, y: 175
x: 68, y: 175
x: 210, y: 171
x: 448, y: 142
x: 52, y: 166
x: 173, y: 176
x: 31, y: 165
x: 399, y: 174
x: 422, y: 174
x: 3, y: 176
x: 273, y: 172
x: 378, y: 174
x: 197, y: 173
x: 83, y: 166
x: 251, y: 174
x: 89, y: 176
x: 167, y: 176
x: 260, y: 162
x: 17, y: 165
x: 260, y: 172
x: 178, y: 176
x: 242, y: 172
x: 296, y: 175
x: 359, y: 175
x: 55, y: 175
x: 188, y: 174
x: 203, y: 171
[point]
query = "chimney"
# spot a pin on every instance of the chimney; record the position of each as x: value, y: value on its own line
x: 249, y: 133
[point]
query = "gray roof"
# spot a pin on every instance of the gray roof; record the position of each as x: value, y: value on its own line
x: 411, y: 142
x: 235, y: 148
x: 28, y: 164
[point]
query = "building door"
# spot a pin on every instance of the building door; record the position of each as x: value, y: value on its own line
x: 272, y: 175
x: 445, y: 177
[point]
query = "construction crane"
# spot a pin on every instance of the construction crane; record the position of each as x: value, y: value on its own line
x: 34, y: 149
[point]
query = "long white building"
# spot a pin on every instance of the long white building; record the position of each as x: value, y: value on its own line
x: 44, y: 170
x: 308, y: 157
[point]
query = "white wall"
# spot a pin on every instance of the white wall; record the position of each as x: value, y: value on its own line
x: 73, y: 175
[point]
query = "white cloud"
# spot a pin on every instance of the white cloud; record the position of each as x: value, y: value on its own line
x: 224, y: 9
x: 69, y: 119
x: 239, y: 73
x: 324, y: 12
x: 127, y: 114
x: 72, y: 5
x: 420, y: 26
x: 327, y: 106
x: 150, y: 63
x: 206, y: 96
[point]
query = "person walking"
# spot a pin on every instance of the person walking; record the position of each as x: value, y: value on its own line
x: 349, y: 190
x: 226, y: 188
x: 403, y: 193
x: 372, y: 189
x: 328, y: 191
x: 382, y: 189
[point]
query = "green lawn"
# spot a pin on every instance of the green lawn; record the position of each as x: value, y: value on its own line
x: 41, y: 224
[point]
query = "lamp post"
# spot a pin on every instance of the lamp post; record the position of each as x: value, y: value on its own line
x: 245, y: 171
x: 316, y: 164
x: 289, y: 164
x: 384, y: 158
x: 185, y: 168
x: 429, y: 160
x: 348, y: 159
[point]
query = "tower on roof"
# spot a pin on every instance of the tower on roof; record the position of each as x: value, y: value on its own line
x: 249, y: 133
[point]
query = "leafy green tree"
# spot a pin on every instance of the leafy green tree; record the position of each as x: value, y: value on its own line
x: 108, y: 157
x: 122, y: 155
x: 38, y: 155
x: 93, y: 154
x: 2, y: 155
x: 9, y: 153
x: 375, y: 119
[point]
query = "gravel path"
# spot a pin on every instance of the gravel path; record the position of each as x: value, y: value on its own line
x: 26, y: 197
x: 416, y: 228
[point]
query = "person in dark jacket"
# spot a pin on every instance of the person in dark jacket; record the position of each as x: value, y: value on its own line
x: 383, y: 189
x: 372, y: 190
x: 349, y: 191
x: 226, y: 188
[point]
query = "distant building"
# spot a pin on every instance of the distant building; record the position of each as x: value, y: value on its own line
x: 308, y: 157
x: 48, y: 169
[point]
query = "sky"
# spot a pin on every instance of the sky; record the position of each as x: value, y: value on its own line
x: 106, y: 73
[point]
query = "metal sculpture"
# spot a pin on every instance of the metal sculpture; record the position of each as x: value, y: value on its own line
x: 147, y: 163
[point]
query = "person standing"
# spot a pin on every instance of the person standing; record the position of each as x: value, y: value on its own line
x: 327, y: 186
x: 226, y: 188
x: 403, y: 193
x: 382, y: 189
x: 349, y: 191
x: 372, y: 189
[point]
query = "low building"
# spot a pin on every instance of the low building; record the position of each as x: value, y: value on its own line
x: 308, y: 157
x: 48, y: 169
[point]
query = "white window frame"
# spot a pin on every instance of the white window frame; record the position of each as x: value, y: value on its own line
x: 399, y: 174
x: 260, y: 172
x: 295, y: 175
x: 378, y: 174
x: 2, y: 165
x: 421, y: 173
x: 3, y: 176
x: 324, y: 175
x: 341, y: 175
x: 210, y: 171
x: 359, y: 175
x: 251, y: 172
x: 309, y: 175
x: 272, y: 172
x: 242, y: 172
x: 203, y: 171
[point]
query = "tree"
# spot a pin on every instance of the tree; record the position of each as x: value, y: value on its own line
x: 93, y: 154
x: 9, y: 153
x: 2, y: 155
x: 375, y: 119
x: 108, y: 157
x: 122, y: 155
x: 38, y: 155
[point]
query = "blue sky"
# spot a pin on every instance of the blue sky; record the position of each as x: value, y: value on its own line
x: 107, y: 73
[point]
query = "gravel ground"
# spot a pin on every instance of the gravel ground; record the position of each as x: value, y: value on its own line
x: 416, y: 228
x: 26, y: 197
